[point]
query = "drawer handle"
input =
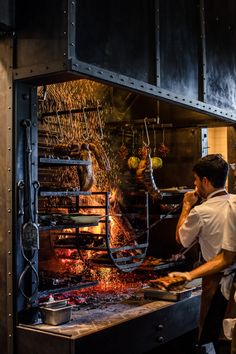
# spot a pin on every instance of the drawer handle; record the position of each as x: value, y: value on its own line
x: 160, y: 339
x: 159, y: 326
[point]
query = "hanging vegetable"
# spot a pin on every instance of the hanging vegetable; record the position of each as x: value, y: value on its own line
x: 133, y: 161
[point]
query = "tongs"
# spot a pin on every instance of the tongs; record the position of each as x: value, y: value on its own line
x: 180, y: 256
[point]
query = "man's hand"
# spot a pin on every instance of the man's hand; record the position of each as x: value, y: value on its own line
x: 190, y: 199
x: 185, y: 275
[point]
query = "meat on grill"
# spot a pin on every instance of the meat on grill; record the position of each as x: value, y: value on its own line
x: 167, y: 283
x: 85, y: 172
x: 144, y: 175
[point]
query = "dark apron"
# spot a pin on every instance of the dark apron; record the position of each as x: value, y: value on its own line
x: 214, y: 308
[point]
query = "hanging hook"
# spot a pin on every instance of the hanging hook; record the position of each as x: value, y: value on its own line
x: 61, y: 140
x: 154, y: 140
x: 147, y: 134
x: 72, y: 128
x: 100, y: 123
x: 86, y: 123
x: 133, y: 134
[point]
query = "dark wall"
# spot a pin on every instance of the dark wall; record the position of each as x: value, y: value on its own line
x: 7, y: 16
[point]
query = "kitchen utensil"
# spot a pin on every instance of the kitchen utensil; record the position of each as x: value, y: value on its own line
x: 167, y: 295
x: 56, y: 316
x: 30, y: 235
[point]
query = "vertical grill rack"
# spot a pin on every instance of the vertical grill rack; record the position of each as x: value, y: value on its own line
x: 125, y: 257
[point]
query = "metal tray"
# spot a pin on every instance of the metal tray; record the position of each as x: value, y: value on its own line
x: 176, y: 295
x: 56, y: 316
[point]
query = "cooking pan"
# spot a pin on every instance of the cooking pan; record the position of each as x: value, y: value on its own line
x: 89, y: 219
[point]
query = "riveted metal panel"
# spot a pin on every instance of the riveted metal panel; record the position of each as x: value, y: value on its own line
x: 26, y: 266
x: 179, y: 39
x: 6, y: 202
x: 154, y: 47
x: 7, y: 14
x: 119, y: 36
x: 220, y: 53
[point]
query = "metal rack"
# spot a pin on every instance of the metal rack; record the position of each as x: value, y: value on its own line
x: 126, y: 257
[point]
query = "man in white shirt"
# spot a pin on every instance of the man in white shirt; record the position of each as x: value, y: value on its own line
x: 205, y: 223
x: 223, y: 260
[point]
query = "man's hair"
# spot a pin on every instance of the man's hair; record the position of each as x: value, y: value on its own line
x: 214, y: 168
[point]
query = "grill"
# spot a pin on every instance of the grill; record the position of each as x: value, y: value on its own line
x: 60, y: 94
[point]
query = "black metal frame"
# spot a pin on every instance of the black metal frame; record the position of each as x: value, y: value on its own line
x: 42, y: 58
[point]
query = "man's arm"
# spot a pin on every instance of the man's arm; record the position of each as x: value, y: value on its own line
x: 190, y: 199
x: 215, y: 265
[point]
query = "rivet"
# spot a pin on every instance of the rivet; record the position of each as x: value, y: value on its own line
x: 9, y: 252
x: 9, y: 314
x: 9, y: 294
x: 9, y: 231
x: 9, y: 273
x: 9, y: 210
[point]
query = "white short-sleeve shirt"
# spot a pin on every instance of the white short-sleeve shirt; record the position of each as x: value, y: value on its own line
x: 206, y: 223
x: 229, y: 237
